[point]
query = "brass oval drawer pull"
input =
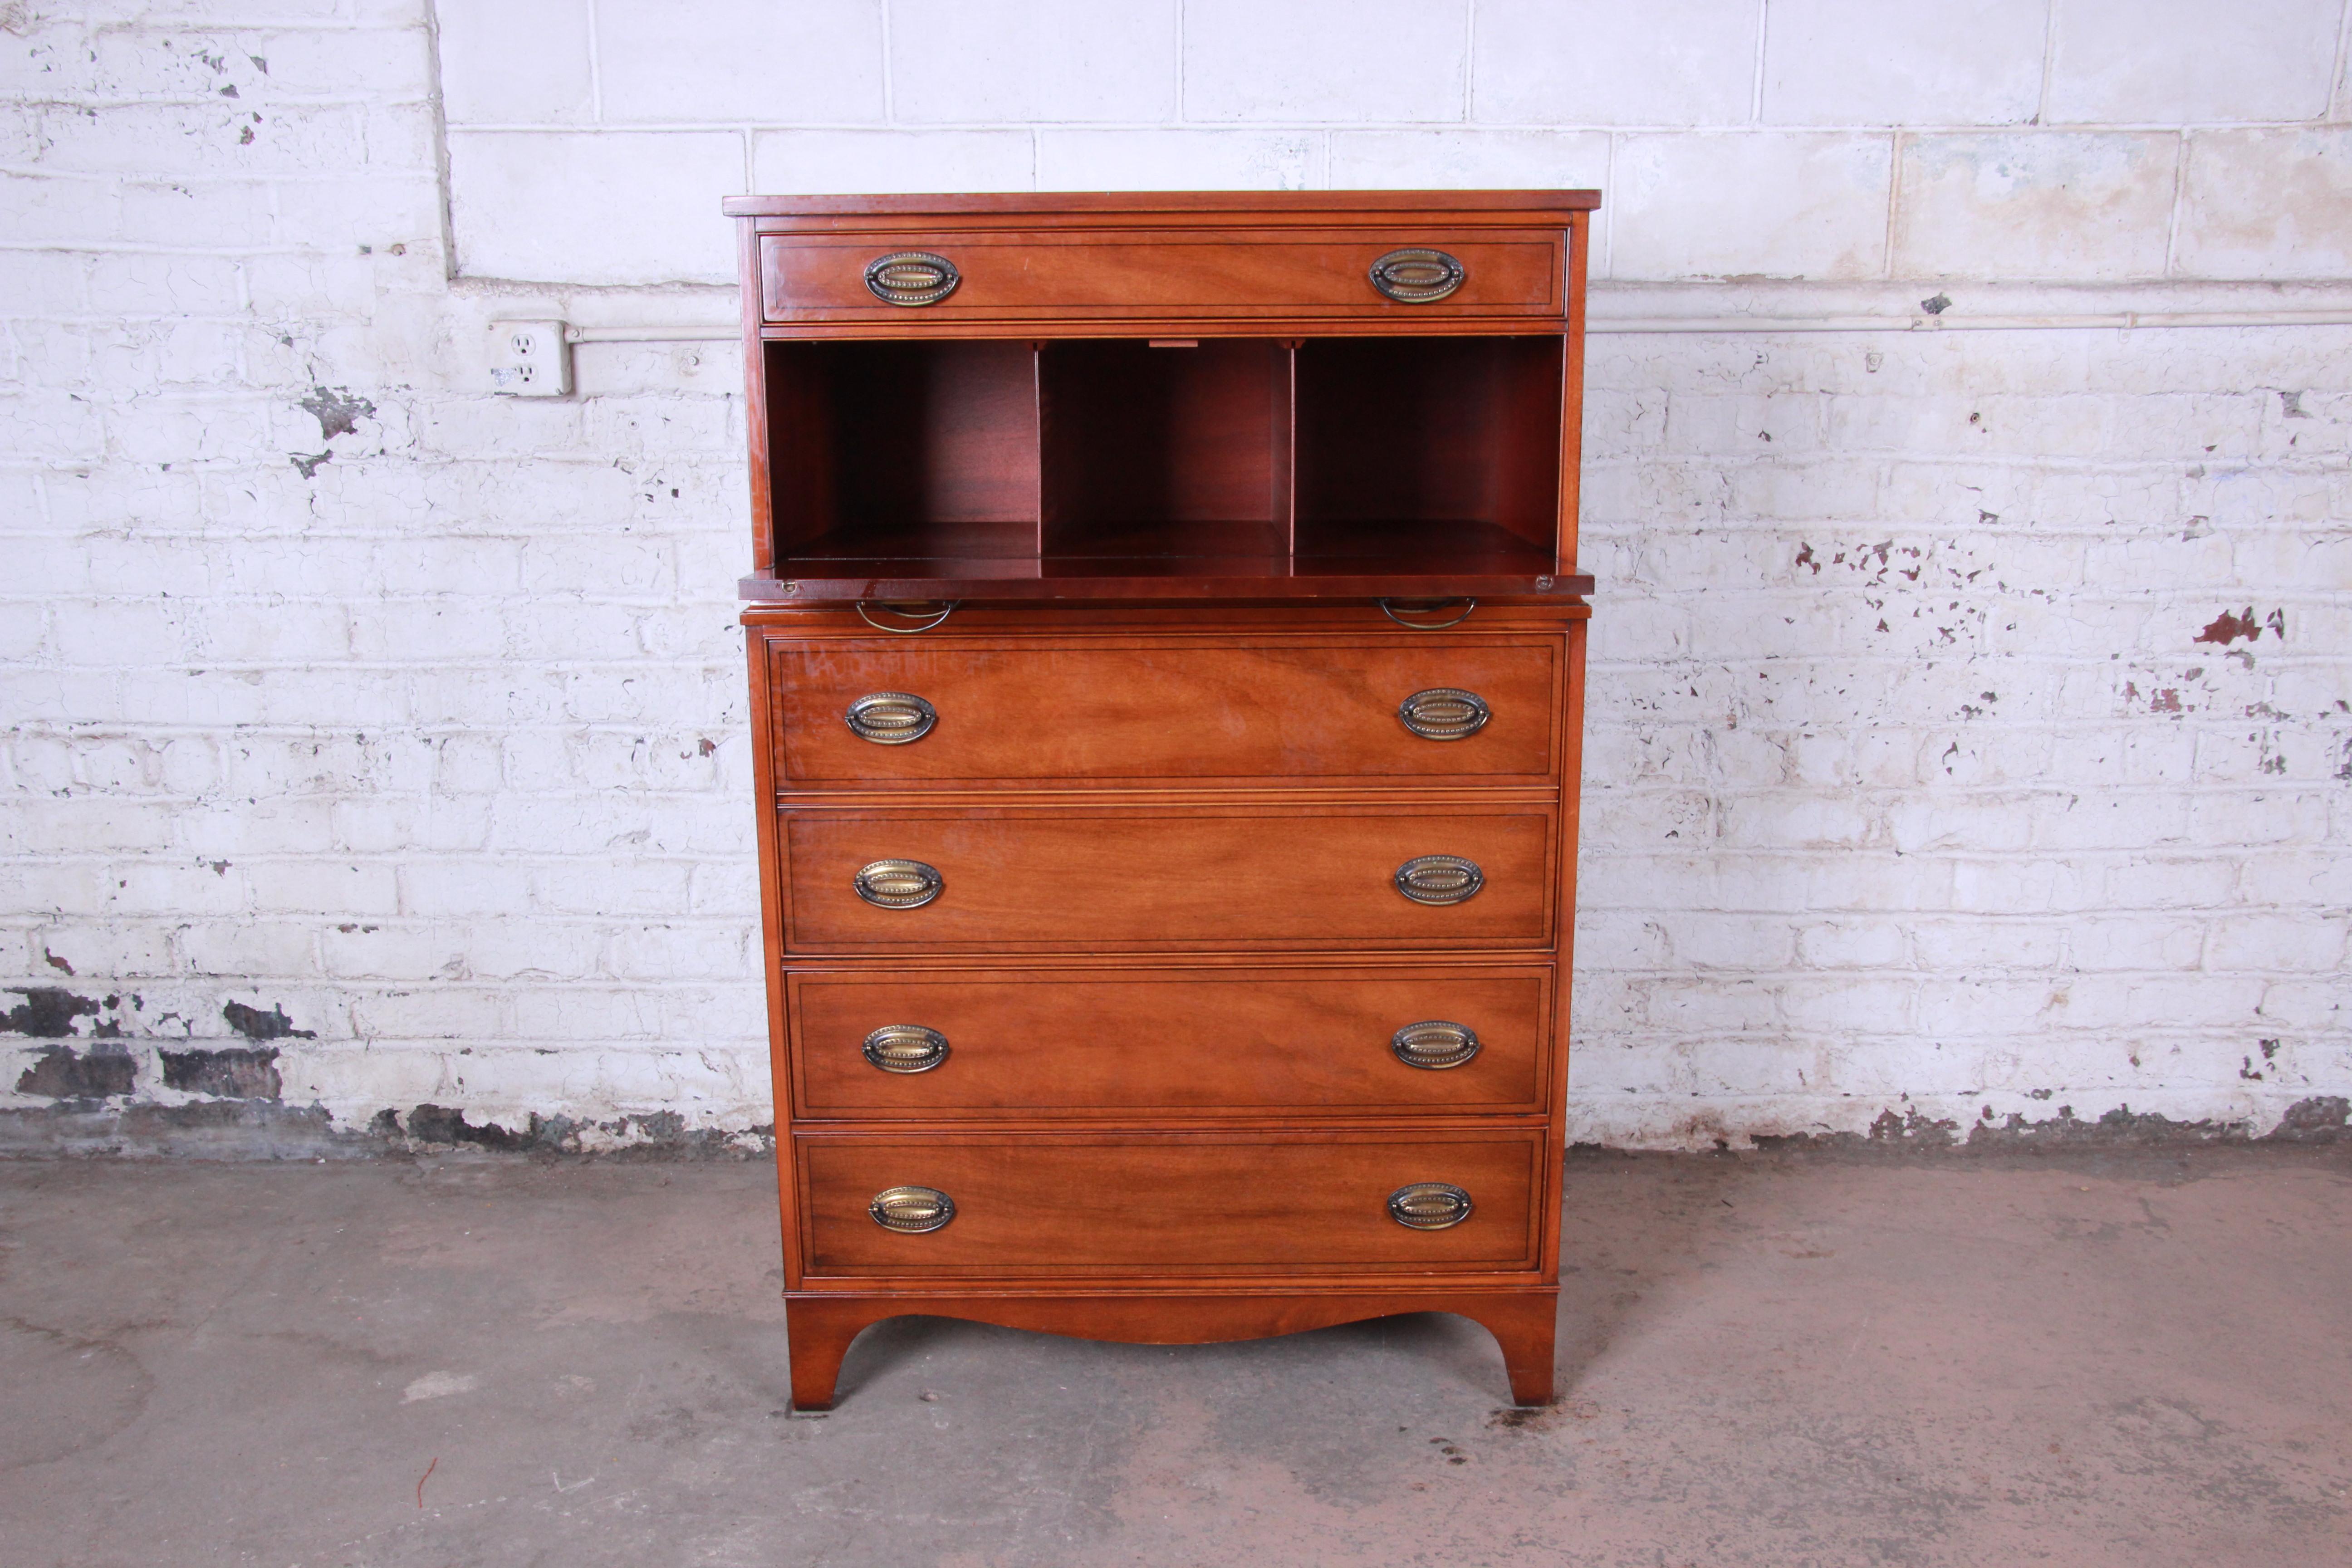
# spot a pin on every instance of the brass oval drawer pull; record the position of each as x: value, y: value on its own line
x: 911, y: 1211
x: 1428, y: 1206
x: 895, y: 717
x: 911, y: 277
x: 909, y: 1048
x: 902, y: 884
x: 1417, y: 276
x: 1433, y: 1044
x: 1439, y: 879
x: 1440, y: 713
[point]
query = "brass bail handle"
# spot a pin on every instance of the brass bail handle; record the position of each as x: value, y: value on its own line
x: 890, y: 718
x: 904, y: 1049
x: 1429, y: 1206
x: 1439, y: 879
x: 898, y: 884
x: 944, y: 611
x: 911, y: 277
x: 1435, y: 1044
x: 911, y: 1211
x: 1389, y: 607
x: 1418, y: 275
x: 1445, y: 713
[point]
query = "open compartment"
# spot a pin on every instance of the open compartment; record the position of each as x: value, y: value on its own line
x: 903, y: 450
x: 1428, y: 449
x: 1166, y: 449
x: 913, y: 469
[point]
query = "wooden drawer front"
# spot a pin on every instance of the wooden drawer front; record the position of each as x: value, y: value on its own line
x: 1163, y: 710
x: 1166, y: 1204
x: 1088, y: 881
x: 1143, y: 275
x: 1183, y: 1043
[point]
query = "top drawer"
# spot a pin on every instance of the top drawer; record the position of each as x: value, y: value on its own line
x: 1418, y: 708
x: 1163, y: 275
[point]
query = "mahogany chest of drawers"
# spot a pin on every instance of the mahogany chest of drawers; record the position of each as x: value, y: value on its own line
x: 1166, y: 664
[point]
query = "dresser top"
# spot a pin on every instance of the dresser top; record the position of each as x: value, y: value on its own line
x: 1171, y: 203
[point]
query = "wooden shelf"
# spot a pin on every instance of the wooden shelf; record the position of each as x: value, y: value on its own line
x: 1248, y: 578
x: 913, y: 541
x: 1209, y: 558
x: 1422, y: 543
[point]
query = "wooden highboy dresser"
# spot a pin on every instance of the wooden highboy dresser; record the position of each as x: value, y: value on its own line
x: 1167, y: 660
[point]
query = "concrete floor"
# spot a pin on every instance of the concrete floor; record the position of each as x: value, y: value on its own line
x: 1792, y: 1360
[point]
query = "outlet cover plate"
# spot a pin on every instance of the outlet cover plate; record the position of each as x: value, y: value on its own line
x: 529, y: 359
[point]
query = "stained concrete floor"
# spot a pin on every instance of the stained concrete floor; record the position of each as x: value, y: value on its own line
x: 2123, y: 1359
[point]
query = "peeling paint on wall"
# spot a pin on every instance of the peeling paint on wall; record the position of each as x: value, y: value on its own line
x: 337, y: 411
x: 2226, y: 628
x: 257, y: 1024
x: 61, y: 1072
x: 48, y: 1013
x: 229, y: 1074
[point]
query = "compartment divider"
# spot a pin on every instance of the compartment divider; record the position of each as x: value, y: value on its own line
x: 1037, y: 396
x: 1286, y: 452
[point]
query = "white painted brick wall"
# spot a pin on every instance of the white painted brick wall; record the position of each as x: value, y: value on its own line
x: 1846, y: 140
x: 2020, y: 839
x: 1975, y: 63
x: 1910, y: 785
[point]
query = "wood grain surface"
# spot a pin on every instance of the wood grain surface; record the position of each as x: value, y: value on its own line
x: 1123, y: 878
x: 1046, y: 708
x: 1048, y: 275
x: 1166, y: 1205
x: 1170, y: 1042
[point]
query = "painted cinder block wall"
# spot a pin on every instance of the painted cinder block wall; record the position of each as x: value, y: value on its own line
x: 1971, y: 738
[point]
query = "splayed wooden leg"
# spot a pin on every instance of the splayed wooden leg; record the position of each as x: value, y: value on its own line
x: 1526, y: 1326
x: 819, y: 1332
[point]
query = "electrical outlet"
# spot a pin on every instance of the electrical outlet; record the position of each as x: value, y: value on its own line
x: 529, y: 359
